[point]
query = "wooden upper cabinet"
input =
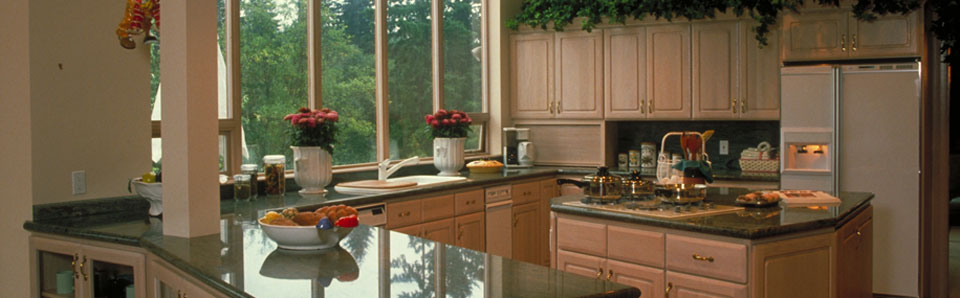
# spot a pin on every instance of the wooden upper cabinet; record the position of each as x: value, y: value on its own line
x: 625, y: 69
x: 815, y: 35
x: 668, y: 71
x: 760, y: 81
x: 579, y: 75
x: 716, y: 63
x: 893, y: 35
x: 834, y: 34
x: 531, y: 75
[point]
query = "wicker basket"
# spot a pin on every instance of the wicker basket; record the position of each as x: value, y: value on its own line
x: 760, y: 165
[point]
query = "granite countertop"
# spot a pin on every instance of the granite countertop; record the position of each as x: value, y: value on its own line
x: 719, y: 174
x: 242, y: 262
x: 750, y: 223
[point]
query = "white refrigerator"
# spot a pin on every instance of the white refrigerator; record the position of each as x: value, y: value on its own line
x: 864, y: 120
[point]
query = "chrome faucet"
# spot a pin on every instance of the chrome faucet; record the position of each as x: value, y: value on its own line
x: 384, y: 170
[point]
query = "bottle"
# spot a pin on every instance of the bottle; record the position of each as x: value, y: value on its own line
x: 273, y: 173
x: 251, y: 170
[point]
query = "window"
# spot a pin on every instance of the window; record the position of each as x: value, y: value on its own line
x: 266, y: 54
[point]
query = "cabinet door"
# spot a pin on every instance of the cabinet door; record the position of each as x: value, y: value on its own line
x: 799, y: 267
x: 56, y: 270
x: 668, y: 71
x: 414, y: 230
x: 893, y: 35
x: 531, y: 75
x: 526, y: 233
x: 581, y: 264
x: 681, y: 285
x: 164, y: 283
x: 440, y: 231
x: 760, y: 83
x: 855, y: 257
x: 716, y: 63
x: 648, y: 279
x: 815, y: 35
x: 548, y: 190
x: 470, y: 231
x: 579, y: 75
x: 114, y: 265
x: 625, y: 69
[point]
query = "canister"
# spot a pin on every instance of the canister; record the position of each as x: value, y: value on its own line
x: 251, y: 170
x: 241, y: 187
x: 273, y: 174
x: 634, y: 158
x: 622, y: 161
x: 648, y: 155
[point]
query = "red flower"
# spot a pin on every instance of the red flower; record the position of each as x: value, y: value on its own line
x: 456, y: 116
x: 429, y: 118
x: 435, y: 123
x: 446, y: 122
x: 467, y: 120
x: 288, y: 117
x: 441, y: 113
x: 333, y: 116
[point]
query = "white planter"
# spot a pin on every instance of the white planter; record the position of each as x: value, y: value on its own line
x: 312, y: 169
x: 448, y: 155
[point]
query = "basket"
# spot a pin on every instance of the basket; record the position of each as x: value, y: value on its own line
x: 760, y: 165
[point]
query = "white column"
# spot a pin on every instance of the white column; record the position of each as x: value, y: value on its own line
x: 188, y: 70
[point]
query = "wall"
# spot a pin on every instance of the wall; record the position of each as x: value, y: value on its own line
x: 741, y: 134
x: 89, y: 101
x: 15, y: 144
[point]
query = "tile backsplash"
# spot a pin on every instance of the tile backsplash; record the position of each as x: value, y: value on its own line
x: 740, y: 134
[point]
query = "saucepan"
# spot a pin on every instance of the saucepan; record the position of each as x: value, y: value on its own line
x: 601, y: 186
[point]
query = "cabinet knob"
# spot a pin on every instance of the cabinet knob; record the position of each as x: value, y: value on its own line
x: 460, y: 234
x: 73, y: 264
x: 85, y: 276
x: 666, y: 292
x: 599, y: 272
x: 516, y: 220
x: 609, y: 274
x: 702, y: 258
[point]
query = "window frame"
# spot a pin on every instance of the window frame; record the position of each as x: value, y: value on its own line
x: 231, y: 127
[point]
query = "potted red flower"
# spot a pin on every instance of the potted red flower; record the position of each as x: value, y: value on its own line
x: 449, y: 130
x: 314, y: 132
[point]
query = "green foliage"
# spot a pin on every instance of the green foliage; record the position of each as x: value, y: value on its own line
x: 541, y: 13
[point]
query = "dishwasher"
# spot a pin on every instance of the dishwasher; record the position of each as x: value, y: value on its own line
x: 499, y: 216
x: 373, y: 215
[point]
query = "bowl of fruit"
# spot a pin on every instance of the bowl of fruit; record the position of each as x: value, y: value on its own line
x: 309, y: 230
x: 149, y: 187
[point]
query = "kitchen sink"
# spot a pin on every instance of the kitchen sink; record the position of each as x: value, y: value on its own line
x: 420, y: 180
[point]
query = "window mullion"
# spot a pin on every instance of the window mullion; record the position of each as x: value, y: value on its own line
x: 314, y: 57
x: 380, y: 42
x: 234, y: 138
x: 436, y: 23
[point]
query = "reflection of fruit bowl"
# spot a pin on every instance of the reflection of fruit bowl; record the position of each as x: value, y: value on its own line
x: 304, y: 237
x: 323, y: 265
x: 153, y: 192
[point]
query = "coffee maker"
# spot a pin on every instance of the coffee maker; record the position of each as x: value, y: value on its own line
x: 518, y: 151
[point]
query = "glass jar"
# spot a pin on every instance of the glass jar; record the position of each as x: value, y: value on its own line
x: 273, y: 170
x: 241, y: 187
x: 251, y: 171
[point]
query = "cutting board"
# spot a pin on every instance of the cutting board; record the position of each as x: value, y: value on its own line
x: 377, y: 184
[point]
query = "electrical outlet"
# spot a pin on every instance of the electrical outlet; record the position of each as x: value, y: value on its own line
x: 724, y: 147
x: 79, y: 182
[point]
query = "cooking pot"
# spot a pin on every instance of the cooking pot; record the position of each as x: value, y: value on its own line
x: 601, y: 186
x: 636, y: 188
x: 680, y: 193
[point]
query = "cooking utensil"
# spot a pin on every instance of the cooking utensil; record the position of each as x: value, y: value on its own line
x: 636, y: 188
x: 680, y: 193
x: 602, y: 185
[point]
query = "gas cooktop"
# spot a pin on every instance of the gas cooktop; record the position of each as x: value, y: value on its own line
x: 655, y: 208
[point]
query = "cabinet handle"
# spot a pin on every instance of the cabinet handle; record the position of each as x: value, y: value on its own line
x: 557, y: 104
x: 179, y: 294
x: 85, y: 276
x: 733, y: 102
x: 650, y: 107
x: 853, y: 42
x: 460, y: 234
x: 702, y: 258
x: 743, y: 105
x: 516, y: 220
x: 643, y: 104
x: 73, y: 265
x: 843, y: 42
x: 599, y: 272
x: 402, y: 214
x: 666, y: 292
x: 550, y: 107
x: 859, y: 234
x: 609, y: 274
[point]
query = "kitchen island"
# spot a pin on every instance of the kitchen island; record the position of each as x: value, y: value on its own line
x: 810, y: 251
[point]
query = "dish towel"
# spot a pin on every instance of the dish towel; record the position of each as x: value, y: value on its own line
x: 807, y: 198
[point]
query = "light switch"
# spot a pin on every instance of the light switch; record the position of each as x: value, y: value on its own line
x: 724, y: 147
x: 79, y: 182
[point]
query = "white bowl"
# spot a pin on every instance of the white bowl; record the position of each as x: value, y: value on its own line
x: 153, y: 192
x: 304, y: 237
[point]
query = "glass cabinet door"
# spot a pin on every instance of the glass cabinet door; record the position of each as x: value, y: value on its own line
x: 112, y: 280
x: 57, y: 275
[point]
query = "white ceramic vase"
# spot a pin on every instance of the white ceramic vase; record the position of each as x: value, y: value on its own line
x: 312, y: 169
x: 448, y: 155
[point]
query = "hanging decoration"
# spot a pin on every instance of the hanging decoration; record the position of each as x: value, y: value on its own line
x: 138, y: 18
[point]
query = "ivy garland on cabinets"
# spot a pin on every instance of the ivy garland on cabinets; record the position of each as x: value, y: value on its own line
x: 540, y: 13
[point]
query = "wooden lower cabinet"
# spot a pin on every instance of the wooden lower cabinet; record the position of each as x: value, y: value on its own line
x: 799, y: 267
x: 87, y: 261
x: 681, y: 285
x: 470, y: 232
x: 648, y: 279
x: 855, y: 257
x: 414, y: 230
x: 526, y: 233
x: 440, y: 230
x: 580, y: 264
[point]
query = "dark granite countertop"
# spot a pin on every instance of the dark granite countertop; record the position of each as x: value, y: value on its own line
x: 719, y: 174
x: 371, y: 261
x: 751, y: 223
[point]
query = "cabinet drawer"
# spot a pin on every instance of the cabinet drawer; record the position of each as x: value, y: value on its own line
x: 635, y: 246
x: 526, y: 192
x: 437, y: 207
x: 856, y: 224
x: 468, y: 202
x: 405, y: 213
x: 710, y: 258
x: 581, y: 236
